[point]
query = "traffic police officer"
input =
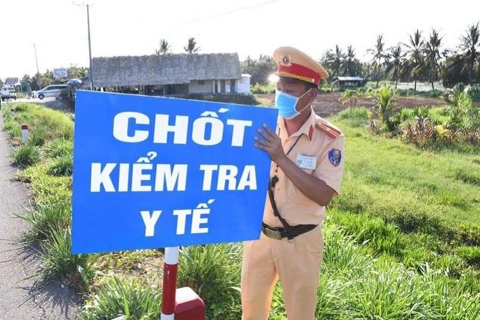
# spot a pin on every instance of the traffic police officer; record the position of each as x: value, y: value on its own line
x: 307, y: 154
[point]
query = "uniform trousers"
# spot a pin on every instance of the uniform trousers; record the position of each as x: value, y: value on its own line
x: 296, y: 263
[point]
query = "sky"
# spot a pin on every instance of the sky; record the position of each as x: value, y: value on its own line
x: 54, y: 33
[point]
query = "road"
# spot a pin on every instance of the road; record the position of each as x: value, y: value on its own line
x: 22, y: 297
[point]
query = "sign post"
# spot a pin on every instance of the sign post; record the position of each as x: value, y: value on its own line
x: 156, y: 172
x: 170, y: 269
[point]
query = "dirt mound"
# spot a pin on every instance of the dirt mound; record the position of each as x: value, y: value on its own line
x: 328, y: 104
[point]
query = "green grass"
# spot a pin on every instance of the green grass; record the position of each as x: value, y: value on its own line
x: 131, y: 298
x: 401, y: 241
x: 385, y: 177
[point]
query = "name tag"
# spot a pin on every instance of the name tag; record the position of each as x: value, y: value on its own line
x: 306, y: 162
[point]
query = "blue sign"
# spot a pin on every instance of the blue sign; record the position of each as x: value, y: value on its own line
x: 154, y: 172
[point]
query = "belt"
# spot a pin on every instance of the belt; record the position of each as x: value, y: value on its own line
x: 290, y: 233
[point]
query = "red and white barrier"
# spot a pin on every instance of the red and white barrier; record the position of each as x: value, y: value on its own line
x: 24, y: 133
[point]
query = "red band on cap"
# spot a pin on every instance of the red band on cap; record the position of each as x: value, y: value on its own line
x: 300, y: 71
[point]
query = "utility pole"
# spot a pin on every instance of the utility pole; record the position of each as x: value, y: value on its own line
x: 90, y: 73
x: 36, y: 62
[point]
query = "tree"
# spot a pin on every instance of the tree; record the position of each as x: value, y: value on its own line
x: 260, y: 69
x: 415, y: 55
x: 471, y: 51
x: 432, y: 56
x: 191, y: 46
x: 394, y: 62
x: 333, y: 62
x: 378, y: 57
x: 46, y: 79
x: 75, y: 72
x: 164, y: 47
x: 352, y: 66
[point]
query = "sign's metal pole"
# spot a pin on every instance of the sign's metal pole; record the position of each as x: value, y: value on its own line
x: 170, y: 268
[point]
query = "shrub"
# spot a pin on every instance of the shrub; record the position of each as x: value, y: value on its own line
x: 384, y: 107
x: 26, y: 155
x: 38, y: 137
x: 463, y: 114
x: 45, y: 218
x: 117, y: 297
x: 59, y: 148
x: 258, y: 88
x: 470, y: 254
x: 62, y: 166
x: 213, y: 271
x: 58, y: 262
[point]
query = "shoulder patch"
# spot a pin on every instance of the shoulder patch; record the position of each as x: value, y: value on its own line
x: 329, y: 130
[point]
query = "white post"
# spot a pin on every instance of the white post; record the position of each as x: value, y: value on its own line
x: 24, y: 133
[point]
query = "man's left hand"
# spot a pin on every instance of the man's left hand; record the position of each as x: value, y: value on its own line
x: 271, y: 143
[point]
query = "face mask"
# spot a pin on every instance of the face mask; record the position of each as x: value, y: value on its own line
x: 287, y: 103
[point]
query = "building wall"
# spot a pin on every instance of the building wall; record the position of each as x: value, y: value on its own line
x: 195, y: 87
x: 243, y: 85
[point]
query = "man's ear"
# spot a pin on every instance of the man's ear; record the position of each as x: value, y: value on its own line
x: 312, y: 95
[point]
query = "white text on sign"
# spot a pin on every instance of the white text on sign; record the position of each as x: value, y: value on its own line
x: 198, y: 219
x: 162, y: 127
x: 147, y: 177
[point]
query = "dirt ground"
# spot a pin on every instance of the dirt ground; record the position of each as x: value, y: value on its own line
x: 328, y: 104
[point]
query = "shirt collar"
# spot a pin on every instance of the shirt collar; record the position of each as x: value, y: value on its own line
x: 307, y: 128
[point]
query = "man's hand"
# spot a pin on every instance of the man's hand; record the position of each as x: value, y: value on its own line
x: 271, y: 143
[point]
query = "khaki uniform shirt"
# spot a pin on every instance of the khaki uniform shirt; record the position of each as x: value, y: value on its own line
x: 323, y: 145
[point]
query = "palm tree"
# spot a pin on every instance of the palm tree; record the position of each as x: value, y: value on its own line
x: 191, y: 46
x: 415, y: 55
x: 351, y: 64
x: 378, y: 56
x: 164, y: 47
x: 394, y: 62
x: 471, y: 51
x: 333, y: 61
x: 432, y: 56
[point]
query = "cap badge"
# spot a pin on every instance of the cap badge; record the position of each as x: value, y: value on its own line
x: 286, y: 61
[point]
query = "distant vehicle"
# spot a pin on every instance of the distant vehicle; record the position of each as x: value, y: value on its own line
x: 54, y: 90
x: 7, y: 93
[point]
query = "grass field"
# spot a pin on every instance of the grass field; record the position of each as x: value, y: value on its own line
x: 402, y: 239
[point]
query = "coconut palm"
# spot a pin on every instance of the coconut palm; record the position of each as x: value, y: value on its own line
x: 378, y: 57
x: 191, y: 46
x: 415, y: 58
x: 333, y: 61
x: 432, y: 56
x: 351, y: 64
x: 394, y: 62
x: 471, y: 51
x: 164, y: 47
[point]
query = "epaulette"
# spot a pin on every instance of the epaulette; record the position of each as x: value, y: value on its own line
x: 329, y: 130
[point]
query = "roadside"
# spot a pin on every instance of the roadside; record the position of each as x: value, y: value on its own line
x: 21, y: 296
